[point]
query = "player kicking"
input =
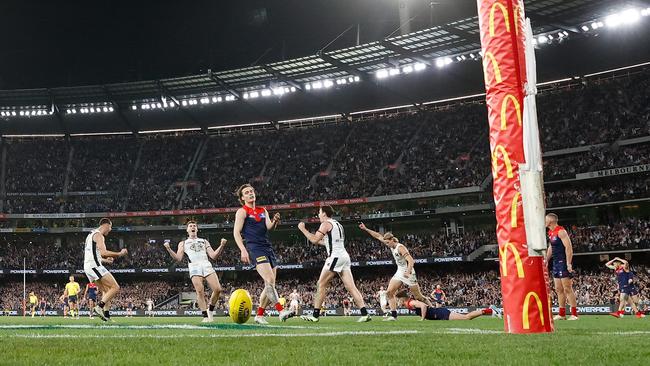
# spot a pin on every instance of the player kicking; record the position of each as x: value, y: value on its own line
x: 428, y: 312
x: 331, y: 234
x: 439, y: 296
x: 95, y: 255
x: 561, y: 251
x: 405, y: 272
x: 251, y: 232
x: 199, y: 252
x: 628, y: 291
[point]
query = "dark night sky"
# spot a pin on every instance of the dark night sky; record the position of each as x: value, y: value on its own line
x: 52, y: 43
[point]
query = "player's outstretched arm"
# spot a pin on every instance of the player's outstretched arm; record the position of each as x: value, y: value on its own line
x: 240, y: 216
x: 105, y: 253
x: 318, y: 236
x: 372, y: 233
x: 178, y: 255
x: 213, y: 254
x: 610, y: 264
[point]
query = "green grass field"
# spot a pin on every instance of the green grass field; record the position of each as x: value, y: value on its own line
x: 593, y: 340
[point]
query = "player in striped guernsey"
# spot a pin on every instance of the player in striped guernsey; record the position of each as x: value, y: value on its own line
x: 331, y: 235
x: 199, y: 252
x: 405, y: 272
x: 95, y: 255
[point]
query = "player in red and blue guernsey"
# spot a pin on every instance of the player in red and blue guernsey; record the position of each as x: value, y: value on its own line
x: 439, y: 296
x: 91, y: 295
x: 252, y: 224
x: 427, y: 312
x: 629, y: 293
x: 561, y: 251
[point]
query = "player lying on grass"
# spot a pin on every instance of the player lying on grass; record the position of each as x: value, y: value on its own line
x: 427, y: 312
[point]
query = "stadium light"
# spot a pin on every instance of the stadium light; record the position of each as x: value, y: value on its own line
x: 613, y: 20
x: 440, y: 63
x: 542, y: 39
x: 381, y: 74
x: 419, y: 66
x: 266, y: 92
x: 407, y: 69
x: 630, y: 16
x: 393, y: 72
x: 254, y: 94
x: 230, y: 98
x: 585, y: 28
x: 292, y: 89
x: 317, y: 84
x: 205, y: 100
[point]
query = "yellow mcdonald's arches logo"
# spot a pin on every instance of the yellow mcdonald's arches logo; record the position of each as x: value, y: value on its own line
x: 506, y: 161
x: 504, y: 11
x: 503, y: 257
x: 525, y: 311
x: 504, y: 109
x: 513, y: 210
x: 489, y: 57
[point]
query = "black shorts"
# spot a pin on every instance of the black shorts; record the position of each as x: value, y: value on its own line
x: 560, y: 270
x: 72, y: 299
x: 437, y: 314
x: 262, y: 254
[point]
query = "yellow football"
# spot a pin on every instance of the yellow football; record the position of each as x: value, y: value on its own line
x: 241, y: 306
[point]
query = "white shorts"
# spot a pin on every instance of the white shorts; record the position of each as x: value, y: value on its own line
x: 95, y: 273
x: 293, y: 303
x: 338, y: 263
x: 412, y: 280
x: 383, y: 303
x: 202, y: 269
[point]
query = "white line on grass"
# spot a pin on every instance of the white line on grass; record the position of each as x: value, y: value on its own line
x: 154, y: 327
x: 470, y: 331
x: 250, y: 335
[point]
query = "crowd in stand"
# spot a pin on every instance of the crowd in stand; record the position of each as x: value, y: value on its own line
x: 613, y: 189
x: 478, y: 288
x: 43, y: 252
x: 401, y: 153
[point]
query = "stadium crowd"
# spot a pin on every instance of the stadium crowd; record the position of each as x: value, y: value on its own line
x: 396, y: 153
x: 147, y: 252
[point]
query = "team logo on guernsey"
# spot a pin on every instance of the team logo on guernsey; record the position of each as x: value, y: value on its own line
x: 197, y: 246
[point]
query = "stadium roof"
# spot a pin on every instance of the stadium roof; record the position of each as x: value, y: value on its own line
x: 296, y: 88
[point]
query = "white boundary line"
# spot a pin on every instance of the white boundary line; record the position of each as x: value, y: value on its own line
x: 246, y: 335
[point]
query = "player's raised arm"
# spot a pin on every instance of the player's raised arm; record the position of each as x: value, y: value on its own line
x: 318, y: 236
x: 373, y: 233
x: 568, y: 249
x: 178, y: 255
x: 105, y: 253
x: 240, y: 217
x: 213, y: 254
x: 610, y: 264
x: 271, y: 224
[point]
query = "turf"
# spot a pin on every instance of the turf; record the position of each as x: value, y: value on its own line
x: 593, y: 340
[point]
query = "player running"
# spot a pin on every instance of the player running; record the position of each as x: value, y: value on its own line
x: 90, y: 294
x: 150, y: 306
x: 251, y: 232
x: 331, y: 235
x: 405, y: 272
x: 71, y: 291
x: 95, y: 255
x: 561, y: 251
x: 427, y: 312
x: 629, y: 293
x: 199, y: 252
x: 439, y: 297
x: 33, y: 301
x: 383, y: 301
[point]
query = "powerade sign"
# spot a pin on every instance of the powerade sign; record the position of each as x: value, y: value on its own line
x: 383, y: 262
x: 583, y: 310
